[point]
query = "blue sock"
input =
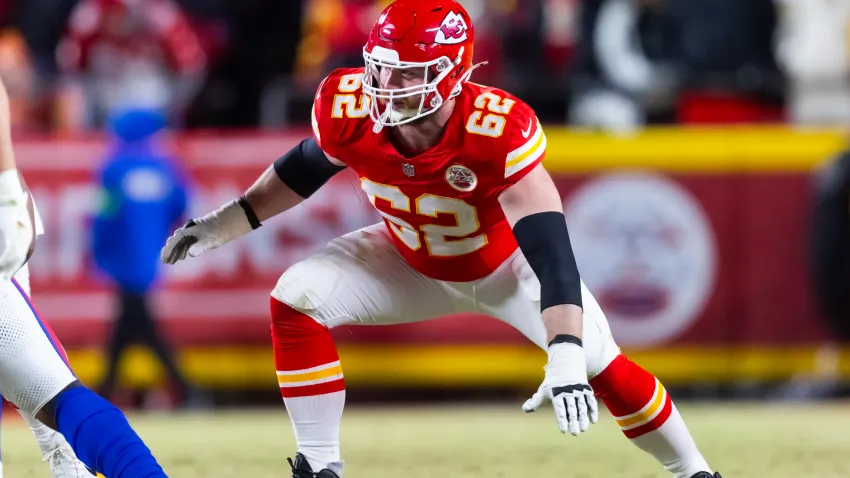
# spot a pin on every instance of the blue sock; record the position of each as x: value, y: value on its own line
x: 101, y: 436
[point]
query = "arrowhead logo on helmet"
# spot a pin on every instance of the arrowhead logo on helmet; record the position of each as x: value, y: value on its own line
x: 452, y: 31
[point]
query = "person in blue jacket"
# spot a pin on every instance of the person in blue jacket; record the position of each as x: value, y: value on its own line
x: 143, y: 197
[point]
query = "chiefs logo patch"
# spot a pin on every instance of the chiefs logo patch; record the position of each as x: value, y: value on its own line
x: 452, y: 31
x: 461, y: 178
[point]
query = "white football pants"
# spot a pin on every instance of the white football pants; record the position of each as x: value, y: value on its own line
x: 360, y: 278
x: 32, y: 371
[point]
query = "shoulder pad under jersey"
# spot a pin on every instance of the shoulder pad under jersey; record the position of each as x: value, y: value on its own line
x: 340, y: 113
x: 518, y: 139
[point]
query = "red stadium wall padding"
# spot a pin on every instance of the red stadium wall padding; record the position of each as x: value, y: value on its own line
x: 675, y: 258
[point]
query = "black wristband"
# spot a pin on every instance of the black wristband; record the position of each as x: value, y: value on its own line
x: 565, y: 339
x: 253, y: 220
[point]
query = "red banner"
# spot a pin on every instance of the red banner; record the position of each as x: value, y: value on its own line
x: 675, y: 259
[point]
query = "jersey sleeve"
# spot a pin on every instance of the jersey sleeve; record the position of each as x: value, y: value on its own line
x: 334, y: 126
x: 524, y: 143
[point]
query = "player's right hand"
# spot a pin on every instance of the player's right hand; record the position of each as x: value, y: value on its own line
x: 205, y: 233
x: 565, y: 385
x: 193, y: 239
x: 16, y: 227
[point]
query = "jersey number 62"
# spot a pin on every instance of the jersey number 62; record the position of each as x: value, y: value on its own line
x: 491, y: 124
x: 439, y: 240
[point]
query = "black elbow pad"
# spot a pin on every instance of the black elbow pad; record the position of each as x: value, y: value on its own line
x: 305, y: 168
x: 545, y: 243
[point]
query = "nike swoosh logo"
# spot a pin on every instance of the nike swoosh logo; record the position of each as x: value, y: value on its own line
x: 526, y: 132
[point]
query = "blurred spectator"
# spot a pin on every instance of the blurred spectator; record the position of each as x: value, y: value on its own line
x: 620, y: 74
x: 726, y: 55
x: 336, y: 30
x: 244, y: 64
x: 813, y: 50
x: 250, y: 84
x: 123, y: 53
x: 504, y: 28
x: 334, y: 34
x: 707, y: 61
x: 143, y: 197
x: 32, y: 107
x: 17, y: 74
x: 526, y: 44
x: 559, y: 24
x: 42, y: 23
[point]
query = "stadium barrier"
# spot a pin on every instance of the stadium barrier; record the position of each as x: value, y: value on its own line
x: 694, y: 241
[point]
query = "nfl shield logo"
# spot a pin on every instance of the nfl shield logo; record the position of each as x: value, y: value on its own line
x: 407, y: 169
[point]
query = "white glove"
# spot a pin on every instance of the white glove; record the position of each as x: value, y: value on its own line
x: 16, y: 228
x: 565, y: 385
x: 209, y: 232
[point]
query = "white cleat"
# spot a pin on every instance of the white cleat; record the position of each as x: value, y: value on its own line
x: 64, y: 463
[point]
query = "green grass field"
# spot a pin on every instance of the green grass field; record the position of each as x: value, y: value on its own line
x: 740, y: 440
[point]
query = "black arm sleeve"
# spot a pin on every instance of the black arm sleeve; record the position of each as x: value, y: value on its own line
x: 545, y: 242
x: 305, y: 168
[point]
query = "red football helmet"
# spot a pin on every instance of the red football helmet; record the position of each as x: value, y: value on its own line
x: 433, y: 38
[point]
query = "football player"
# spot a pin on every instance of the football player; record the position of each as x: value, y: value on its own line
x: 55, y: 449
x: 34, y: 373
x: 472, y: 222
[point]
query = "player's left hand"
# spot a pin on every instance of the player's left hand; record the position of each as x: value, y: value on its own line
x: 565, y: 385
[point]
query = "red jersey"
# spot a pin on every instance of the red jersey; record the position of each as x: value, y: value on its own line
x: 441, y: 206
x: 110, y: 36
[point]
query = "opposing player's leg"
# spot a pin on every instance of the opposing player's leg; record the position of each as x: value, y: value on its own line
x: 55, y: 450
x: 36, y: 378
x: 358, y: 278
x: 640, y: 404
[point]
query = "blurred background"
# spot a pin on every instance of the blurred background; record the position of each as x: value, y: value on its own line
x: 698, y: 145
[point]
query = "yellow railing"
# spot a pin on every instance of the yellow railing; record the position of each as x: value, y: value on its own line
x: 466, y: 365
x: 739, y: 149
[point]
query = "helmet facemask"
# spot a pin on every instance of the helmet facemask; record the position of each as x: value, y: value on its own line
x: 382, y: 99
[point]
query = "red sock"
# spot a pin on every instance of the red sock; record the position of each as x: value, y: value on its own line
x: 647, y: 416
x: 635, y: 397
x: 311, y: 382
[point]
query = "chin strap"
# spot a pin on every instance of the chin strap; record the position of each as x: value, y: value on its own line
x: 465, y: 78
